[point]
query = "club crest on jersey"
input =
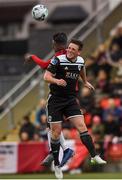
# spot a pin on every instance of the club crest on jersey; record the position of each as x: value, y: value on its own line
x: 79, y: 67
x: 66, y: 68
x: 54, y: 61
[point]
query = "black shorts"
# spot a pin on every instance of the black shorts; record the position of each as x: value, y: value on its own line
x: 58, y: 107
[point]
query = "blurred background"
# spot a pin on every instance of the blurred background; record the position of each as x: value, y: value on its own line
x: 23, y: 93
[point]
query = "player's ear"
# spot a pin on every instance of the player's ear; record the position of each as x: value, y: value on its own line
x: 79, y: 53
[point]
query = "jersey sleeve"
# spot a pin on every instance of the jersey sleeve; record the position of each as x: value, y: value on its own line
x: 54, y: 63
x: 43, y: 64
x: 83, y: 62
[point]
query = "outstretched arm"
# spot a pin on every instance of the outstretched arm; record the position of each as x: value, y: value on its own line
x: 31, y: 57
x: 110, y: 61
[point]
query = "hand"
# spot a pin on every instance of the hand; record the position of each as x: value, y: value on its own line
x: 27, y: 58
x: 88, y: 85
x: 61, y: 82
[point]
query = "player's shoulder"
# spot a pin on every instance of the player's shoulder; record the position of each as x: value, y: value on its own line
x: 80, y: 60
x: 57, y: 59
x: 62, y: 58
x: 54, y: 60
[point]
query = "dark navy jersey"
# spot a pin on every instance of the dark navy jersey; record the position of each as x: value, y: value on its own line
x: 62, y: 68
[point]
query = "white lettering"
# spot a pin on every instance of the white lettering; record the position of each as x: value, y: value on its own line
x: 72, y: 75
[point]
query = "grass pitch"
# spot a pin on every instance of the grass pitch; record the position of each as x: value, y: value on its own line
x: 66, y: 176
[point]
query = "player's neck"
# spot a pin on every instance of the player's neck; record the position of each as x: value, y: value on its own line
x: 72, y: 60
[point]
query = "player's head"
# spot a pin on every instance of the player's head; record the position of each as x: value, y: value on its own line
x: 74, y: 49
x: 59, y: 41
x: 78, y: 43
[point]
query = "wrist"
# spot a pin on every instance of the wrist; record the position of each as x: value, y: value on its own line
x: 56, y: 81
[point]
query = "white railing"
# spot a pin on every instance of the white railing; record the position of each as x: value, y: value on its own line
x: 103, y: 10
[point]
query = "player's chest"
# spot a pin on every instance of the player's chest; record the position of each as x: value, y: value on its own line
x: 70, y: 71
x: 70, y: 68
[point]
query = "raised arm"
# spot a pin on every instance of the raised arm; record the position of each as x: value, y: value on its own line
x: 42, y: 63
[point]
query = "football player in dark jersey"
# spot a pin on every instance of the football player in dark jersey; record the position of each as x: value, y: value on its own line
x: 62, y: 74
x: 59, y: 45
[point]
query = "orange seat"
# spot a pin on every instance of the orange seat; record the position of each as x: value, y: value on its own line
x: 114, y: 152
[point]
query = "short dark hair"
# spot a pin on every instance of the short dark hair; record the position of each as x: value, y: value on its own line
x: 60, y: 38
x: 77, y: 42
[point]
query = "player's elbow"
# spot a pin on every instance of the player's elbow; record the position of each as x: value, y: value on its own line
x: 45, y: 77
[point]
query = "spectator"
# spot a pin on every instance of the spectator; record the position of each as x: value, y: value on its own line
x: 102, y: 82
x: 97, y: 109
x: 112, y: 109
x: 98, y: 127
x: 98, y: 134
x: 86, y: 99
x: 118, y: 38
x: 41, y: 111
x: 92, y: 66
x: 116, y: 76
x: 27, y: 130
x: 116, y: 45
x: 116, y: 85
x: 42, y: 126
x: 112, y: 129
x: 117, y: 64
x: 36, y: 136
x: 101, y: 59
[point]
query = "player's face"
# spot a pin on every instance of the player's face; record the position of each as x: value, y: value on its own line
x: 73, y: 51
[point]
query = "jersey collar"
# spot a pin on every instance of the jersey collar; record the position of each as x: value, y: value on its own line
x: 74, y: 61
